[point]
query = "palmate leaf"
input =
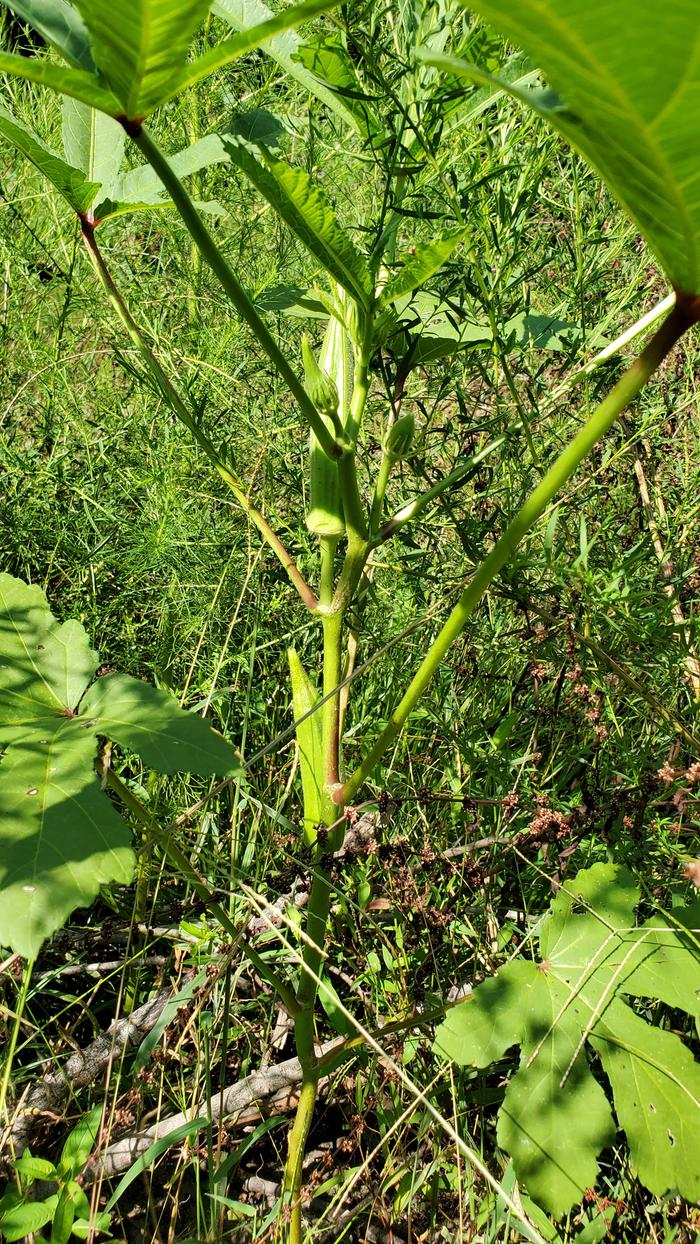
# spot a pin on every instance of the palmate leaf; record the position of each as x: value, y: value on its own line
x: 629, y: 85
x: 555, y: 1120
x: 60, y: 836
x: 141, y: 46
x: 303, y: 207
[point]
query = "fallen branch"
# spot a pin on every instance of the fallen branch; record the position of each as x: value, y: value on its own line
x: 46, y: 1098
x: 276, y: 1082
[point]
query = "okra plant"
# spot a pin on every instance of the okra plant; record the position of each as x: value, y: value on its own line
x: 591, y: 74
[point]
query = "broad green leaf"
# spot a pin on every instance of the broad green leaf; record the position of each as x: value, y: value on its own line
x: 310, y: 741
x: 293, y: 196
x: 34, y: 1168
x: 151, y: 722
x: 60, y: 836
x: 71, y: 183
x: 60, y: 24
x: 24, y: 1218
x: 74, y: 82
x: 292, y: 300
x: 656, y: 1086
x: 418, y: 268
x: 554, y: 1120
x: 140, y: 47
x: 93, y: 142
x: 45, y: 668
x: 628, y: 83
x: 142, y: 184
x: 544, y: 332
x: 80, y: 1143
x: 331, y: 65
x: 555, y: 1131
x: 283, y: 48
x: 253, y: 37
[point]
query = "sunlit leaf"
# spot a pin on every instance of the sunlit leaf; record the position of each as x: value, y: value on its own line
x: 253, y: 36
x: 60, y: 836
x: 74, y: 82
x: 302, y: 205
x: 148, y: 721
x: 141, y: 46
x: 71, y: 183
x: 418, y: 268
x: 628, y: 98
x: 283, y: 48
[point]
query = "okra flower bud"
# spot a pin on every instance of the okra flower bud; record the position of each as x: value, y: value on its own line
x: 321, y: 387
x: 399, y: 439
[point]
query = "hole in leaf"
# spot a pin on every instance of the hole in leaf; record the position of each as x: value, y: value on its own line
x: 40, y: 647
x: 32, y: 790
x: 652, y: 1107
x: 671, y: 1139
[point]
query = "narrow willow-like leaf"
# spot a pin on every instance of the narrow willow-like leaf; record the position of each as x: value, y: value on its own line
x: 71, y: 183
x: 418, y: 268
x: 74, y: 82
x: 554, y: 1120
x: 283, y: 48
x: 303, y: 207
x: 629, y: 88
x: 310, y: 741
x: 141, y: 46
x: 253, y: 37
x: 60, y: 24
x: 93, y: 142
x: 150, y: 722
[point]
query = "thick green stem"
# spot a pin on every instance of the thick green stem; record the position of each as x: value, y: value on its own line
x: 684, y: 314
x: 232, y: 287
x: 179, y: 408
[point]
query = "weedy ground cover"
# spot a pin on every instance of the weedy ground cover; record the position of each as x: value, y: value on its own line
x: 357, y: 237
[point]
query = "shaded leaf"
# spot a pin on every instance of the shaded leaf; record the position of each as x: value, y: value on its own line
x: 149, y: 721
x: 293, y: 196
x: 60, y: 24
x: 60, y: 836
